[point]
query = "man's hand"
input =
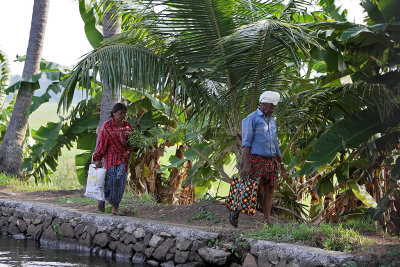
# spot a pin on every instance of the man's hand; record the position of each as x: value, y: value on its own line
x: 246, y: 171
x: 98, y: 164
x: 283, y: 171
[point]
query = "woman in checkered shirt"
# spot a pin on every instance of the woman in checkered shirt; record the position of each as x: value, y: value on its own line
x: 113, y: 150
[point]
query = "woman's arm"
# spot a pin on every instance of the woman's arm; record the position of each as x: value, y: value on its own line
x: 101, y: 147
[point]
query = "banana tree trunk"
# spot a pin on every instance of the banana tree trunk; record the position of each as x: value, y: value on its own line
x: 111, y: 27
x: 145, y: 179
x: 176, y: 177
x: 144, y: 171
x: 11, y: 149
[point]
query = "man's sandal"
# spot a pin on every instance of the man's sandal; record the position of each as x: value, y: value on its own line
x: 233, y: 219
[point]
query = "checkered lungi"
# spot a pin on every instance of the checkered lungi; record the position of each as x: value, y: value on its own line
x: 265, y: 168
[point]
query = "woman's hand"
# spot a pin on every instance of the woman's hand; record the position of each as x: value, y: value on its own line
x: 97, y: 163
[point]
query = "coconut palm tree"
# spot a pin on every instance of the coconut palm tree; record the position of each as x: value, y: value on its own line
x: 211, y: 56
x: 11, y: 149
x: 111, y: 27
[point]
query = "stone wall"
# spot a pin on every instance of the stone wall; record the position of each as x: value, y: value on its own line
x: 109, y: 236
x: 139, y: 241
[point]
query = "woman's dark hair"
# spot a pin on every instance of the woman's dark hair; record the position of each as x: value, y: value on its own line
x: 117, y: 107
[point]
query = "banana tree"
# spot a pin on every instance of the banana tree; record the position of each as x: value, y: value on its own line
x: 346, y: 137
x: 167, y: 128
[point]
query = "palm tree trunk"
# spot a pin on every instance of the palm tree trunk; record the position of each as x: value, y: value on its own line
x: 111, y: 26
x: 11, y: 150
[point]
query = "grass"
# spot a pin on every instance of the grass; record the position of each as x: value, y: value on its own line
x: 330, y: 237
x: 15, y: 184
x: 360, y: 224
x: 145, y: 198
x: 205, y: 215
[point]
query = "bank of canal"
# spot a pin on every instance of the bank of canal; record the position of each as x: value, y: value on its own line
x: 107, y: 237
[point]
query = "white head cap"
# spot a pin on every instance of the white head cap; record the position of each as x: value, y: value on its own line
x: 270, y: 97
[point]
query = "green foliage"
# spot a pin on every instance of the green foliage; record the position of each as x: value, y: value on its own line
x: 360, y: 224
x: 341, y: 239
x: 56, y: 229
x: 288, y: 232
x: 145, y: 198
x: 79, y: 126
x: 88, y: 14
x: 4, y: 78
x: 58, y: 183
x: 5, y: 113
x: 349, y: 132
x: 393, y: 250
x: 332, y: 237
x: 137, y: 139
x: 213, y: 242
x: 203, y: 215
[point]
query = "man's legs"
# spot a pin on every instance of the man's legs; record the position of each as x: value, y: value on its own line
x: 268, y: 195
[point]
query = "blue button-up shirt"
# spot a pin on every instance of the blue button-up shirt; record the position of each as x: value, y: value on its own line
x: 260, y: 135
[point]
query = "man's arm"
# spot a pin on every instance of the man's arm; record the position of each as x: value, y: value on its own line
x: 246, y: 161
x: 282, y: 166
x: 247, y: 140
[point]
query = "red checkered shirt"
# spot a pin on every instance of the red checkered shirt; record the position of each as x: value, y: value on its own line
x: 111, y: 144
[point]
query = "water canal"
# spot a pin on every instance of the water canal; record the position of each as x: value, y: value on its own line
x: 27, y: 253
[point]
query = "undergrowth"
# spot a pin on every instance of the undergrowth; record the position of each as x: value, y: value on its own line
x: 330, y: 237
x: 60, y: 180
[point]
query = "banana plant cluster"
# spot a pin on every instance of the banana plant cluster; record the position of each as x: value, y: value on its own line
x: 193, y: 140
x: 346, y: 139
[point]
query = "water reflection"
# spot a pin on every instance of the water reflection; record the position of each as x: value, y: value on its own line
x: 27, y: 253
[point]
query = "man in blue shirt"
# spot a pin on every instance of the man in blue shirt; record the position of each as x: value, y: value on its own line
x: 260, y: 151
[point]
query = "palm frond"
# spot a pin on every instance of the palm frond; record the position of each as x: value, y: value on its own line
x: 117, y: 65
x: 257, y: 53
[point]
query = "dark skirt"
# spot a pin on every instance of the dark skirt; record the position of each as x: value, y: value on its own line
x: 114, y: 185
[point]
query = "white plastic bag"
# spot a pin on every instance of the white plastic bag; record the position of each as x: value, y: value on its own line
x: 95, y: 182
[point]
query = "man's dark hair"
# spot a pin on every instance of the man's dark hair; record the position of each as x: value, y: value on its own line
x: 117, y: 107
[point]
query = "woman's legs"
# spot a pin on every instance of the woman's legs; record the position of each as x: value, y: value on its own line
x: 115, y: 186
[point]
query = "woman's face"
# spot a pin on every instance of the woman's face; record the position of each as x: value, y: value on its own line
x: 119, y: 115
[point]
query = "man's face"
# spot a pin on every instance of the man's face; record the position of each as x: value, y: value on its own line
x: 267, y: 108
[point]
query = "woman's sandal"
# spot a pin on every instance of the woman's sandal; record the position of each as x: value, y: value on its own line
x: 102, y: 206
x: 233, y: 219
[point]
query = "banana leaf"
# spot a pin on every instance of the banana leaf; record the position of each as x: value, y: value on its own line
x: 349, y: 132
